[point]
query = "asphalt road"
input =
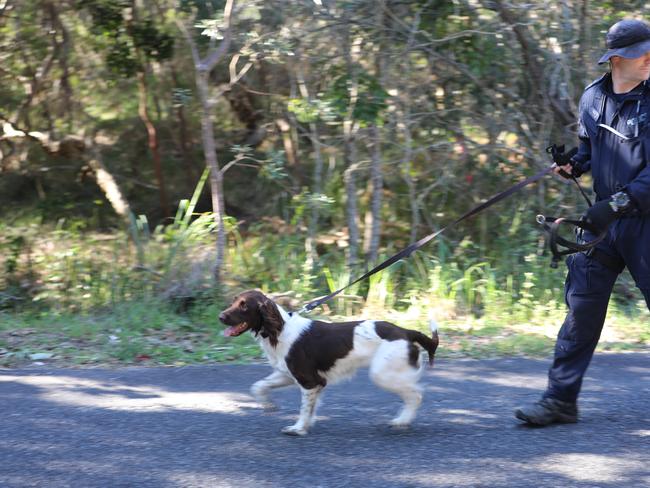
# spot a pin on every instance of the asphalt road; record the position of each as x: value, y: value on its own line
x: 198, y: 427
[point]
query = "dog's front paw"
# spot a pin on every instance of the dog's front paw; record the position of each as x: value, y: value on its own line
x: 294, y: 430
x: 263, y: 401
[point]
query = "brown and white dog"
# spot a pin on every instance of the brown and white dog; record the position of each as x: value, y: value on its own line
x: 313, y: 354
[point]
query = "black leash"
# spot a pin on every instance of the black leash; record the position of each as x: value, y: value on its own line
x: 406, y: 252
x: 552, y: 224
x: 558, y: 154
x: 552, y: 227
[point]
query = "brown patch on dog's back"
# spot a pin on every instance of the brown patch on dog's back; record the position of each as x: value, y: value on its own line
x: 318, y: 349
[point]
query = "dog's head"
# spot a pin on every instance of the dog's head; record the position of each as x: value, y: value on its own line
x: 253, y: 311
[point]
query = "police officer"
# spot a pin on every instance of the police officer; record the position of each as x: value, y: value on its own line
x: 614, y: 144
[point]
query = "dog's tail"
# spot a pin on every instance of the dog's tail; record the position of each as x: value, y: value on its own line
x: 430, y: 344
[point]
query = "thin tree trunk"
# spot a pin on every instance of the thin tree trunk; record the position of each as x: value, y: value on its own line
x: 373, y: 231
x: 410, y: 183
x: 152, y: 140
x: 350, y: 128
x: 352, y: 211
x: 317, y: 175
x: 190, y: 170
x: 203, y: 67
x: 287, y: 141
x: 216, y: 177
x: 317, y: 190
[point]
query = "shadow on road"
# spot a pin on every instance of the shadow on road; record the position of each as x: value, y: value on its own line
x: 197, y: 426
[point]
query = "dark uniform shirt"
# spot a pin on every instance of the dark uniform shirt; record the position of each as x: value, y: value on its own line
x: 614, y: 136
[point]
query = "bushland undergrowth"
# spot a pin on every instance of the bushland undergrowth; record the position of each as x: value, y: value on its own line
x: 146, y: 296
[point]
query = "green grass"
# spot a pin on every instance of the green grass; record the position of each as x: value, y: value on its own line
x: 90, y: 298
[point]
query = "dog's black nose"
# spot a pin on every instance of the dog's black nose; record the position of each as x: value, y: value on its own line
x: 222, y: 316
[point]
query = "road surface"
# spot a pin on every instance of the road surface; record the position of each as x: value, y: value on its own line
x: 198, y: 427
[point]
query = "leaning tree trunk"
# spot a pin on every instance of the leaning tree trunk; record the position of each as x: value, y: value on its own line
x: 107, y: 183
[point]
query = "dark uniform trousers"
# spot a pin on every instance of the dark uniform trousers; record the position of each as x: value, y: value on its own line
x: 588, y: 287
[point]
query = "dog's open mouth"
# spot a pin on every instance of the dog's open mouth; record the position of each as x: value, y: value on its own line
x: 235, y: 330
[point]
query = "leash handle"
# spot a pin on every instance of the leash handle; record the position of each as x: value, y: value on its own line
x: 552, y: 226
x: 407, y: 251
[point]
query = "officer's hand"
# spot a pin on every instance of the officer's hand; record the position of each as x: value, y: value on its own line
x: 601, y: 215
x: 564, y: 171
x: 563, y: 160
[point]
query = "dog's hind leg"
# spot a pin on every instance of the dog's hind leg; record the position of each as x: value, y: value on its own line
x: 260, y: 389
x: 412, y: 396
x: 394, y: 371
x: 307, y: 412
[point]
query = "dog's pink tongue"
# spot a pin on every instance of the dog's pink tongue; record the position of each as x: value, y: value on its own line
x: 230, y: 331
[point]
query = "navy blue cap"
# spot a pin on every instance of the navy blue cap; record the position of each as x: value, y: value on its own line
x: 628, y: 38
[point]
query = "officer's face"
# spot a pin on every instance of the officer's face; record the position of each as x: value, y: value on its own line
x: 632, y: 70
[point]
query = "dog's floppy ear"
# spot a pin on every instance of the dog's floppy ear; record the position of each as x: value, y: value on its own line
x: 271, y: 321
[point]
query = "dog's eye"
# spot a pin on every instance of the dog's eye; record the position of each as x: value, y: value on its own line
x: 242, y: 305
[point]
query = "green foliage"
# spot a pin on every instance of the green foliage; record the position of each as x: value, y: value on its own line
x: 181, y: 97
x: 307, y: 111
x: 272, y: 165
x: 122, y: 38
x: 103, y: 309
x: 367, y: 93
x: 211, y: 28
x: 304, y: 110
x: 120, y: 58
x: 107, y: 15
x: 152, y: 41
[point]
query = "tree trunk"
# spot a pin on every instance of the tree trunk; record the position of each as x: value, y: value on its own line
x: 203, y: 67
x: 190, y: 170
x: 317, y: 176
x: 373, y: 231
x: 350, y: 128
x: 352, y: 211
x: 107, y: 184
x: 152, y: 140
x: 216, y: 177
x: 316, y: 194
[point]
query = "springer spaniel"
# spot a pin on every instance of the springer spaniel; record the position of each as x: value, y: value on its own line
x: 312, y: 354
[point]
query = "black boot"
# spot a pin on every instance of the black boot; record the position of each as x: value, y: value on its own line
x: 548, y: 411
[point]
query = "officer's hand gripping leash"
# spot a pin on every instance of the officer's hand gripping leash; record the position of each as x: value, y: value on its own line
x: 552, y: 224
